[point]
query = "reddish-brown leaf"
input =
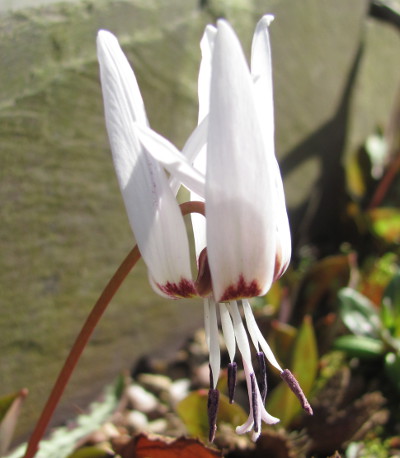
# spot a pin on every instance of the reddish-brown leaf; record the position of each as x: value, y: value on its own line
x: 142, y: 446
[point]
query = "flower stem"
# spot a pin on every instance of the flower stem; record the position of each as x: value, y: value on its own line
x: 87, y: 330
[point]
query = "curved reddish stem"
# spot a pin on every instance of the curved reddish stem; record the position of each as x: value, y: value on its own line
x: 83, y: 337
x: 385, y: 183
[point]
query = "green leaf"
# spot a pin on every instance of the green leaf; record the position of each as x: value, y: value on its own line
x: 89, y: 452
x: 392, y: 369
x: 63, y: 440
x: 360, y: 346
x: 385, y: 223
x: 391, y: 305
x: 359, y: 313
x: 282, y: 403
x: 193, y: 412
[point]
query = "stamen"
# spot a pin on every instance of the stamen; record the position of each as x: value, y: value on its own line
x: 212, y: 409
x: 294, y: 385
x: 263, y: 375
x: 254, y: 402
x: 211, y: 376
x: 228, y: 331
x: 232, y: 375
x: 212, y: 338
x: 253, y: 328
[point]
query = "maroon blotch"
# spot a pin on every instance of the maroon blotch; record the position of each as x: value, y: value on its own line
x: 185, y: 288
x: 241, y: 290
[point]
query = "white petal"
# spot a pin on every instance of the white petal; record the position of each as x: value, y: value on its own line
x: 152, y: 210
x: 241, y: 227
x: 165, y: 153
x: 261, y: 70
x: 206, y: 45
x: 194, y: 146
x: 284, y: 244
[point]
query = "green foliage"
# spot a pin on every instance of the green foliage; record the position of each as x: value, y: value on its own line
x: 282, y: 403
x: 63, y: 441
x: 193, y: 412
x: 375, y: 331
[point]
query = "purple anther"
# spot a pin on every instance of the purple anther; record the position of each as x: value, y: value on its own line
x: 232, y: 374
x: 294, y: 385
x: 254, y: 403
x: 263, y: 375
x: 212, y: 409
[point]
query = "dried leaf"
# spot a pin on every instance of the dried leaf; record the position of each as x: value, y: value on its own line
x: 143, y: 446
x: 10, y: 407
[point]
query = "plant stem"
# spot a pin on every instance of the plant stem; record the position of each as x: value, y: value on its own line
x: 87, y: 330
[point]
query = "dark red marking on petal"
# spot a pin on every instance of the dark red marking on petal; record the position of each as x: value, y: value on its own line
x: 241, y: 290
x: 185, y: 288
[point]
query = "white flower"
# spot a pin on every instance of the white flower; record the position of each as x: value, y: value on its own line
x: 228, y: 162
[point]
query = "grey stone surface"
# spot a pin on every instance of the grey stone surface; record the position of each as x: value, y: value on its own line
x: 64, y: 229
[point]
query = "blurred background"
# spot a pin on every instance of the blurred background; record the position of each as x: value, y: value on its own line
x: 63, y: 228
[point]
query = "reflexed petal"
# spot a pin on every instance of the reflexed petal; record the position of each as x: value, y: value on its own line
x: 206, y: 45
x: 261, y: 70
x: 152, y: 210
x: 241, y: 230
x: 165, y: 153
x: 283, y: 240
x: 193, y: 147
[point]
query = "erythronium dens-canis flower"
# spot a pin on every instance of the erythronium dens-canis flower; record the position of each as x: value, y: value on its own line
x: 243, y: 243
